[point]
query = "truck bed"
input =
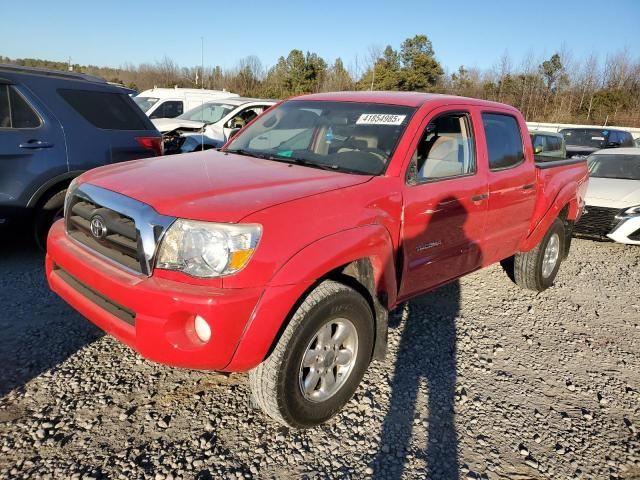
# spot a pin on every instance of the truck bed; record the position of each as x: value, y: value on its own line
x: 554, y: 177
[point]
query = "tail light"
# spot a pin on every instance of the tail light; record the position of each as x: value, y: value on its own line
x: 151, y: 143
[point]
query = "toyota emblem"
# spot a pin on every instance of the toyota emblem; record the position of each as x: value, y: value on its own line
x: 98, y: 227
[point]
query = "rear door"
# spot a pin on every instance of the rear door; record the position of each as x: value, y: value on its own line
x: 445, y: 203
x: 32, y: 145
x: 512, y: 184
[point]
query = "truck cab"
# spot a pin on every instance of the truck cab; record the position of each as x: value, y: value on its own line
x: 283, y: 253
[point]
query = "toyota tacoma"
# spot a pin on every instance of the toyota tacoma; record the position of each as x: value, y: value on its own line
x: 282, y: 253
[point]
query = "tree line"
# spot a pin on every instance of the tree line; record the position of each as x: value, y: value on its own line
x: 560, y: 88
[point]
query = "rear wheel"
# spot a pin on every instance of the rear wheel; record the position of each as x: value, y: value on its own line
x: 319, y: 360
x: 537, y: 269
x: 49, y: 212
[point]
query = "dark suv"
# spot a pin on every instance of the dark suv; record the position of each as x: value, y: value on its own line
x: 582, y: 142
x: 54, y: 126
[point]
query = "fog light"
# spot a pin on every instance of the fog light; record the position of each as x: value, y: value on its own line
x: 202, y: 328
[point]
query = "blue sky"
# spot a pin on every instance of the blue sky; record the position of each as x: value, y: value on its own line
x: 473, y: 33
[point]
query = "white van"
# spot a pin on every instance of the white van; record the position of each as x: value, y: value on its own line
x: 171, y: 102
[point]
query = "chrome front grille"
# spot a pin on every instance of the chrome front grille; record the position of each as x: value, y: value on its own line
x: 117, y: 227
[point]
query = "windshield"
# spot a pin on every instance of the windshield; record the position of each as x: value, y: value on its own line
x: 585, y: 137
x: 207, y: 113
x: 343, y: 136
x: 145, y: 103
x: 626, y: 167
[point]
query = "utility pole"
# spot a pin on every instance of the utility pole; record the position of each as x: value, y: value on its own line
x: 202, y: 60
x: 69, y: 67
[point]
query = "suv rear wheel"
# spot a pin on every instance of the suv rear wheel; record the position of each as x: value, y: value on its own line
x: 49, y: 212
x: 319, y: 360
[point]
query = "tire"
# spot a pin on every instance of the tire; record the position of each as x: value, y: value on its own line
x: 46, y: 214
x: 531, y: 269
x: 277, y: 383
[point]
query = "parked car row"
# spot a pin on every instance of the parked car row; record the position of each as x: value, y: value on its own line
x: 613, y: 198
x: 393, y: 194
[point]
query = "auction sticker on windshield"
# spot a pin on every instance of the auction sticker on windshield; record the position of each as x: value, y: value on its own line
x: 380, y: 119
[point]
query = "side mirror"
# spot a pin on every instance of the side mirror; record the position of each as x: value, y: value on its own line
x: 537, y: 149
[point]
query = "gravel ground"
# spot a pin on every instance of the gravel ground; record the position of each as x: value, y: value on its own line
x: 483, y: 380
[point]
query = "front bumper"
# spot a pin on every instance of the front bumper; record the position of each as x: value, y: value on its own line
x: 154, y: 316
x: 612, y: 223
x: 627, y: 230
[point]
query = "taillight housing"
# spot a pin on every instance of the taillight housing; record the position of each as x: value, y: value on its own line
x: 151, y: 143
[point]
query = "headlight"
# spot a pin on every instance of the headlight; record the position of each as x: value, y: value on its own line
x: 633, y: 210
x: 204, y: 249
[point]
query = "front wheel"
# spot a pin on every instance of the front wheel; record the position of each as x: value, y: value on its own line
x: 537, y: 269
x: 319, y: 360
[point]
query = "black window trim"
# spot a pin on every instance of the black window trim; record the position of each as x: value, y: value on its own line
x: 31, y: 106
x: 524, y: 152
x: 467, y: 115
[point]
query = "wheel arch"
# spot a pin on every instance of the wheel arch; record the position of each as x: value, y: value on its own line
x: 361, y: 258
x: 565, y: 206
x: 52, y: 186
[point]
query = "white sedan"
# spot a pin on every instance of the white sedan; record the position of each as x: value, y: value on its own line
x: 613, y: 196
x: 209, y: 125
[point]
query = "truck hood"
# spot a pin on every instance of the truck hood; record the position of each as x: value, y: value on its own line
x: 216, y: 186
x: 167, y: 124
x: 613, y: 192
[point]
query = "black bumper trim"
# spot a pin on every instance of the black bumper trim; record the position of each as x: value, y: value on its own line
x: 103, y: 302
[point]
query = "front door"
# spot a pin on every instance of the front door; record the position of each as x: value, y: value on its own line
x: 445, y: 204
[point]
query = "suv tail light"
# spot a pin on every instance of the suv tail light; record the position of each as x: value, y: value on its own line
x: 151, y: 143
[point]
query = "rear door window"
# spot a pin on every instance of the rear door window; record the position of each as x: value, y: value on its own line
x: 106, y: 110
x: 15, y: 111
x: 553, y: 144
x: 504, y: 142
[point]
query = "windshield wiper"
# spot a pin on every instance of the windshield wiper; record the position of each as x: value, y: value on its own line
x: 296, y: 161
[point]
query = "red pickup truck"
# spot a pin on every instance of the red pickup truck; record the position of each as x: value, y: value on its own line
x: 283, y: 253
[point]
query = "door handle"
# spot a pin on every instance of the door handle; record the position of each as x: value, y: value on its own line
x: 528, y: 186
x: 478, y: 198
x: 34, y: 144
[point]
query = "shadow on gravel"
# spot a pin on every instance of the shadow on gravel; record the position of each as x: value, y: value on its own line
x: 426, y: 361
x: 37, y: 329
x: 424, y: 381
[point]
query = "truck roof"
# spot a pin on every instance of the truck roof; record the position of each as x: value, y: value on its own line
x: 10, y: 68
x: 407, y: 99
x: 192, y: 91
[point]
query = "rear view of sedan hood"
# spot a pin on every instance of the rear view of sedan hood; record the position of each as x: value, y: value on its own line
x: 216, y: 186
